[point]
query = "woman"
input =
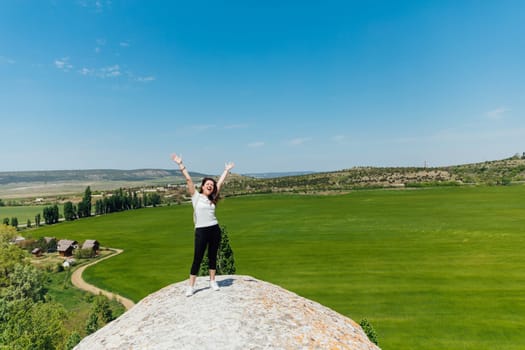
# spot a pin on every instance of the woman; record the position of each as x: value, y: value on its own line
x: 207, y: 230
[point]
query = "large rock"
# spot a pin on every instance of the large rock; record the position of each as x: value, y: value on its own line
x: 245, y: 314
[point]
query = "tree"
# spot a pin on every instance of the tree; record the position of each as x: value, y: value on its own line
x: 51, y: 214
x: 92, y: 323
x: 99, y: 207
x: 100, y: 315
x: 81, y: 210
x: 69, y: 211
x: 86, y: 203
x: 26, y: 282
x: 27, y: 320
x: 7, y: 233
x: 27, y: 325
x: 225, y: 260
x: 154, y: 199
x: 72, y: 341
x: 37, y: 220
x: 10, y: 254
x: 28, y: 223
x: 14, y: 222
x: 3, y: 204
x: 6, y: 221
x: 47, y: 215
x: 56, y: 214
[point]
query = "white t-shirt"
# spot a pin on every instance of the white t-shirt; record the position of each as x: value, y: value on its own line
x: 203, y: 210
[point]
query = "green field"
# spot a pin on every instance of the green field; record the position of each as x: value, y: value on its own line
x: 431, y: 269
x: 22, y: 213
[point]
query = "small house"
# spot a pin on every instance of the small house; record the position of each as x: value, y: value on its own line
x: 36, y: 252
x: 65, y: 247
x: 91, y: 244
x: 18, y: 240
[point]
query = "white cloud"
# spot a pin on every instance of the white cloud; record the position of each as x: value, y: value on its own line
x: 256, y: 144
x: 86, y: 71
x: 497, y: 114
x: 299, y: 141
x: 145, y: 79
x: 97, y: 5
x: 124, y: 43
x: 109, y: 72
x: 63, y: 64
x: 100, y: 42
x: 113, y: 71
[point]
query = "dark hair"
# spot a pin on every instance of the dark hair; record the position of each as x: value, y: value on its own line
x: 214, y: 196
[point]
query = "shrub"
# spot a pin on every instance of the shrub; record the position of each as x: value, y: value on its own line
x: 225, y: 260
x: 73, y: 339
x: 84, y: 253
x: 369, y: 330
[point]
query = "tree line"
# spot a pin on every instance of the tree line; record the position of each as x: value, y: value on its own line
x: 120, y: 200
x: 126, y: 200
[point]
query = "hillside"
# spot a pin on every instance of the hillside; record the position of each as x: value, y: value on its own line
x: 500, y: 172
x: 42, y: 183
x: 27, y: 184
x: 95, y: 175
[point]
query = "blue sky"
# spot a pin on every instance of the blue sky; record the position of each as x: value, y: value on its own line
x: 270, y: 85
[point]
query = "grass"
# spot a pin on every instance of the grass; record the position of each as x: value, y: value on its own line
x: 434, y: 268
x: 77, y: 303
x: 23, y: 213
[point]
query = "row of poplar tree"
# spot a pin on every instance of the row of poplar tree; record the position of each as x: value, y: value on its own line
x: 119, y: 201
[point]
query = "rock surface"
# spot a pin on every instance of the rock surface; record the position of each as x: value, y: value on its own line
x: 245, y: 314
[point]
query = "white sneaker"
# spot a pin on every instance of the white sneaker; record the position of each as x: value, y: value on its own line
x: 189, y: 291
x: 214, y: 285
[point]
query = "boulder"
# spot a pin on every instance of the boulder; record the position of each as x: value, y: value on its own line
x: 246, y: 313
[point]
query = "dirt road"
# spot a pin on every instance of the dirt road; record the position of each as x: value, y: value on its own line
x: 76, y: 279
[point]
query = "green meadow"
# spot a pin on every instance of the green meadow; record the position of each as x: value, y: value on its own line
x: 439, y: 268
x: 23, y: 213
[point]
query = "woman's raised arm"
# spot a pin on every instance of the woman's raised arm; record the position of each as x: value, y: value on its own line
x: 227, y: 167
x: 177, y: 159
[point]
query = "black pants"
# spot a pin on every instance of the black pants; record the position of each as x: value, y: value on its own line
x: 206, y: 237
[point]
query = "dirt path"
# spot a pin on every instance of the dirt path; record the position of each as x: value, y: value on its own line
x: 76, y: 279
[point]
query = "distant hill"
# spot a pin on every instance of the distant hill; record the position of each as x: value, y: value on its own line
x: 272, y: 175
x: 23, y: 184
x: 41, y: 183
x: 88, y: 175
x: 499, y: 172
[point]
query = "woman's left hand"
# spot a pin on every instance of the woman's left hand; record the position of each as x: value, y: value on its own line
x: 229, y: 166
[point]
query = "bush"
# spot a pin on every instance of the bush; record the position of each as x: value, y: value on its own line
x: 369, y: 330
x: 225, y: 260
x: 84, y: 253
x: 73, y: 340
x: 100, y: 315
